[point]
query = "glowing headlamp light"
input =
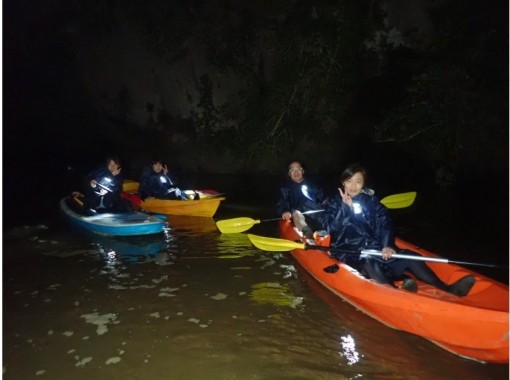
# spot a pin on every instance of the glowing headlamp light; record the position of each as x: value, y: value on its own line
x: 357, y: 208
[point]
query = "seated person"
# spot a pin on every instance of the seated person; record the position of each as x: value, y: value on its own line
x: 103, y: 187
x: 299, y: 194
x: 156, y: 183
x: 356, y: 220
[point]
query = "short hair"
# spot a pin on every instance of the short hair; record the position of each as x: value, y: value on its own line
x: 351, y: 170
x: 115, y: 159
x: 300, y: 162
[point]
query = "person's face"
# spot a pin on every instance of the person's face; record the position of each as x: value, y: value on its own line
x: 296, y: 172
x: 113, y: 167
x: 157, y: 167
x: 354, y: 185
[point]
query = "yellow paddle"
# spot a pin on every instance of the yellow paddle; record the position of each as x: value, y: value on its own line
x: 283, y: 245
x: 231, y: 226
x: 401, y: 200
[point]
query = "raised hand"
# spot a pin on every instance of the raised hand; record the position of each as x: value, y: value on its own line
x: 345, y: 197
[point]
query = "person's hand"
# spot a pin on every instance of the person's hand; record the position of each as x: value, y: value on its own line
x: 286, y: 215
x: 387, y: 252
x: 93, y: 183
x: 165, y: 169
x: 345, y: 197
x: 116, y: 171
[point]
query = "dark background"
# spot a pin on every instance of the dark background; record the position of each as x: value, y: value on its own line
x: 418, y: 93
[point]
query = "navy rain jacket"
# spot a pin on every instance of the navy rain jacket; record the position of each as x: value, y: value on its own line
x: 155, y: 185
x: 367, y: 225
x: 301, y: 196
x: 104, y: 177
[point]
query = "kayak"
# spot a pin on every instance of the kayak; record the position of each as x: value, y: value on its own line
x: 475, y: 326
x: 206, y: 206
x: 117, y: 224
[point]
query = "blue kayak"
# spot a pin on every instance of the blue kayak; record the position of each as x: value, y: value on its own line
x: 116, y: 224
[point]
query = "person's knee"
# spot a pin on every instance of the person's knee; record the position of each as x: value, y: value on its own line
x: 373, y: 269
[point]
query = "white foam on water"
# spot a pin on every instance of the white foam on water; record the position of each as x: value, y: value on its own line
x: 100, y: 320
x: 113, y: 360
x: 169, y: 290
x: 82, y: 362
x: 158, y: 280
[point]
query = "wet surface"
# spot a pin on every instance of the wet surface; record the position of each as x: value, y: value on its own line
x: 192, y: 304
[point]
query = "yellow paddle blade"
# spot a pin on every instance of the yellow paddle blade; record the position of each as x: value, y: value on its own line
x: 399, y: 200
x: 273, y: 244
x: 231, y: 226
x: 77, y: 200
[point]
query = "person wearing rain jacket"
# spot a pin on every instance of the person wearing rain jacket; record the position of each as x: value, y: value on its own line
x: 156, y: 183
x: 103, y: 187
x: 356, y: 220
x: 299, y: 194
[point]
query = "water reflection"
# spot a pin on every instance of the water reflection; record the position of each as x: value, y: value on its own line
x: 192, y: 226
x: 153, y: 307
x: 235, y: 246
x: 132, y: 247
x: 349, y: 349
x: 276, y: 294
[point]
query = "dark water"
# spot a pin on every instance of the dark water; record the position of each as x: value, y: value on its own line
x: 170, y: 307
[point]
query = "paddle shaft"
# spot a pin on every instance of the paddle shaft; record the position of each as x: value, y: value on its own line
x: 304, y: 213
x: 104, y: 187
x: 373, y: 252
x: 237, y: 225
x: 282, y: 245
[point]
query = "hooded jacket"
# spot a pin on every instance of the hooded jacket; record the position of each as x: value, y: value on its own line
x: 366, y: 225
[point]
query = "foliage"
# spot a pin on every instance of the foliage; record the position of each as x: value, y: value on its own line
x: 299, y: 62
x: 316, y: 54
x: 306, y: 70
x: 444, y: 119
x: 453, y: 113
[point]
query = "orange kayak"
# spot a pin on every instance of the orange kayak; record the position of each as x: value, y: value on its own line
x: 206, y: 206
x: 475, y: 326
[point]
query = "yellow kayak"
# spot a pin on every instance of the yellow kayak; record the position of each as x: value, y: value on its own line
x: 206, y: 206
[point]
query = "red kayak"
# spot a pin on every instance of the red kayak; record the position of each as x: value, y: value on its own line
x: 475, y: 326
